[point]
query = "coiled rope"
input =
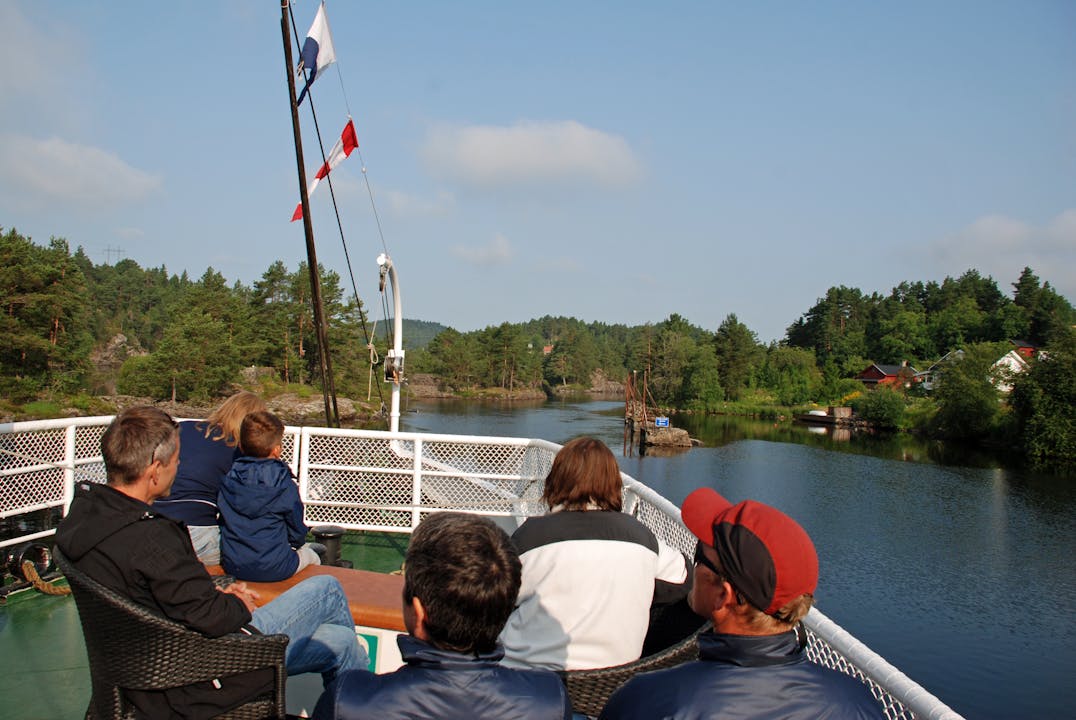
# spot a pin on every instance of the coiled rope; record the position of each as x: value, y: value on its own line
x: 29, y: 571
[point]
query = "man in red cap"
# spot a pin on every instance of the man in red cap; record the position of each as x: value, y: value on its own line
x: 755, y: 575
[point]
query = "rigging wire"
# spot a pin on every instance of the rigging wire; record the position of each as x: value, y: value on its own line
x: 339, y: 224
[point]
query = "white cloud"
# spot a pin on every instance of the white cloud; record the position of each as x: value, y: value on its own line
x: 528, y: 153
x: 43, y: 171
x: 497, y: 252
x: 1001, y: 247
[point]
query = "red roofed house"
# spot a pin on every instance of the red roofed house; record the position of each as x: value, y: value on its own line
x: 893, y: 375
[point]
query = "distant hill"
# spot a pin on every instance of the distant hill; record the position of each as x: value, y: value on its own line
x: 418, y: 333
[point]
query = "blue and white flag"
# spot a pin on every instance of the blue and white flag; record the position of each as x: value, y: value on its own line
x: 318, y: 52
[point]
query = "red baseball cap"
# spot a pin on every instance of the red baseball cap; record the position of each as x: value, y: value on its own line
x: 766, y: 555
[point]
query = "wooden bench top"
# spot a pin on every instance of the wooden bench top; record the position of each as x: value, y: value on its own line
x: 375, y: 598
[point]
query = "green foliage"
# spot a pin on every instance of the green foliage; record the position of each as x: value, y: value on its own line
x: 674, y: 349
x: 419, y: 333
x: 838, y: 390
x: 967, y: 398
x: 835, y: 328
x: 453, y: 358
x: 918, y: 321
x: 791, y: 373
x: 882, y: 407
x: 919, y: 414
x: 738, y: 356
x: 573, y: 358
x: 44, y: 323
x: 42, y: 409
x: 139, y: 376
x: 1044, y: 405
x: 702, y: 386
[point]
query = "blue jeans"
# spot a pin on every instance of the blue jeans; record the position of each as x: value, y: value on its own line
x: 206, y: 542
x: 315, y: 616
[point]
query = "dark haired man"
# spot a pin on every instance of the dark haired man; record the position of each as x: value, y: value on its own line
x: 113, y: 534
x: 755, y: 575
x: 461, y: 579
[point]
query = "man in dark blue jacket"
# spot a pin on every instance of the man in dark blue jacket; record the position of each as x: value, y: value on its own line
x: 461, y: 579
x: 755, y: 575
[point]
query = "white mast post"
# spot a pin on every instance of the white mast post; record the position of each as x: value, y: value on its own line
x: 394, y: 361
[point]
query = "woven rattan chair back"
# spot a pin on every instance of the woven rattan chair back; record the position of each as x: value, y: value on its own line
x: 130, y: 646
x: 589, y: 690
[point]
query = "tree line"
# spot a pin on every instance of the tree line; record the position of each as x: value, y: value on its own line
x: 188, y: 339
x: 65, y: 317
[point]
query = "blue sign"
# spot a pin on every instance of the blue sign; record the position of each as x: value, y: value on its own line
x: 661, y: 422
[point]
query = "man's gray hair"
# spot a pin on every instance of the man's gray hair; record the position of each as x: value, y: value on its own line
x: 134, y: 439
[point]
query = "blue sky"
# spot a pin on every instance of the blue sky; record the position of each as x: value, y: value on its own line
x: 611, y: 161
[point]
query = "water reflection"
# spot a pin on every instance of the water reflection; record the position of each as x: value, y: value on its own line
x: 717, y: 430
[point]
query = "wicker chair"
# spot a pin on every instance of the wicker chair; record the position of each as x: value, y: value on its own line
x: 589, y: 690
x: 132, y: 647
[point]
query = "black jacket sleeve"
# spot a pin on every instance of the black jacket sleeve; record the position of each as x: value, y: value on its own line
x: 180, y: 585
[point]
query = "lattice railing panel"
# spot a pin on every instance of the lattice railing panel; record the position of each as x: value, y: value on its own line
x: 93, y: 472
x: 337, y: 450
x: 666, y: 527
x: 471, y: 458
x: 37, y: 488
x: 346, y: 487
x: 88, y: 441
x: 474, y: 494
x: 420, y: 473
x: 822, y: 653
x: 32, y: 470
x: 45, y: 447
x: 360, y: 517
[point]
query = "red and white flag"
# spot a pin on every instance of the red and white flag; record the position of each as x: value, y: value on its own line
x: 343, y: 147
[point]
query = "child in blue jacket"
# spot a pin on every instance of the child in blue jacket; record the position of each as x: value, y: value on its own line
x: 262, y: 534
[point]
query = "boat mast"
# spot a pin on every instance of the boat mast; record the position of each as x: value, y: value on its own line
x: 328, y: 387
x: 394, y: 361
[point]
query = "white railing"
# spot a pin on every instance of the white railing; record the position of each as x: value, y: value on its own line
x: 371, y: 480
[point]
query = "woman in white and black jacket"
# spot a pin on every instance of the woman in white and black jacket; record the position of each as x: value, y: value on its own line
x: 590, y: 572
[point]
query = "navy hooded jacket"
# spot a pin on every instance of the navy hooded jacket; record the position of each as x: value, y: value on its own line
x: 446, y: 685
x: 741, y: 677
x: 261, y: 520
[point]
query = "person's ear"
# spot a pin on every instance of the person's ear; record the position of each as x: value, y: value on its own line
x: 420, y: 618
x: 725, y: 602
x: 277, y: 451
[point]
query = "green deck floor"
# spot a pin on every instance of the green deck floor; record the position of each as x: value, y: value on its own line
x: 43, y: 669
x: 44, y: 673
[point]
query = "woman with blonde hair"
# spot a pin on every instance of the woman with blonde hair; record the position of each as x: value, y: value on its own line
x: 206, y: 452
x: 590, y: 572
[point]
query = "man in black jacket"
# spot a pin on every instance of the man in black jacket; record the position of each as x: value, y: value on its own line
x: 112, y: 534
x: 755, y: 575
x: 461, y: 580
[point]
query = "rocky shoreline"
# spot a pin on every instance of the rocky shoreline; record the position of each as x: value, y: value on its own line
x: 308, y: 408
x: 289, y: 407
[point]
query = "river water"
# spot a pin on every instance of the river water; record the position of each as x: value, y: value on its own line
x: 961, y: 575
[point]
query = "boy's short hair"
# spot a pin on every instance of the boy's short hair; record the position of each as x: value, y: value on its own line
x: 467, y: 573
x: 260, y: 432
